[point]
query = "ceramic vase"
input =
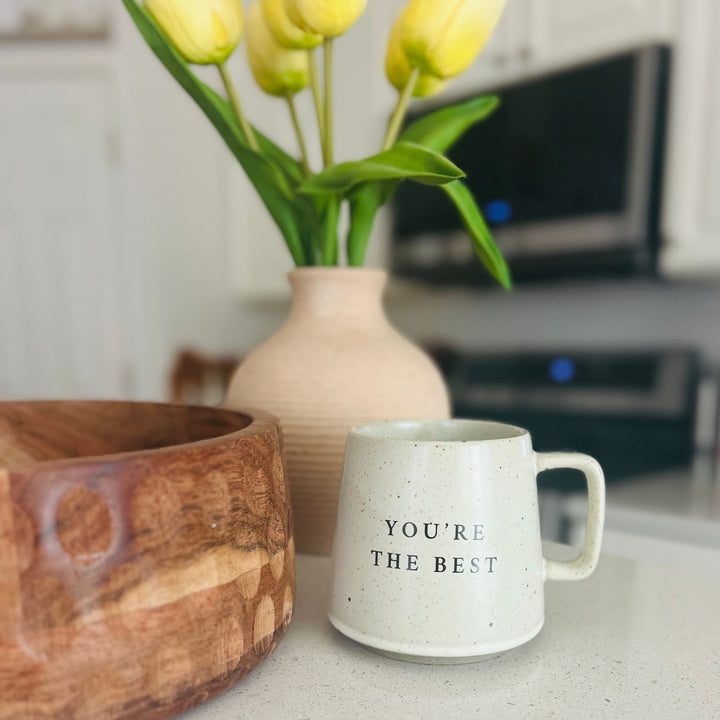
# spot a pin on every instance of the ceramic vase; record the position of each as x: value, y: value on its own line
x: 336, y: 362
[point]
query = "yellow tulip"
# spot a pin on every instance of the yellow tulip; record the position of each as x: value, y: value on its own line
x: 398, y: 69
x: 277, y: 70
x: 442, y: 37
x: 285, y: 31
x: 203, y: 31
x: 328, y: 18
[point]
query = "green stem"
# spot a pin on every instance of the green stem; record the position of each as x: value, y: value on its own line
x: 329, y: 253
x: 237, y: 108
x: 396, y: 119
x: 328, y: 155
x: 298, y: 131
x: 364, y: 205
x: 317, y: 97
x: 357, y: 241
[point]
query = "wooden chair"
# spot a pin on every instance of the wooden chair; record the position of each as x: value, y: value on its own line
x: 197, y: 379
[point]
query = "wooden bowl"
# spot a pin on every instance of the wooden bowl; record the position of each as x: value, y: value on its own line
x: 146, y: 556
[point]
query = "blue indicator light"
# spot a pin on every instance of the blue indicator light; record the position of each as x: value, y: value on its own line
x: 562, y: 369
x: 498, y: 211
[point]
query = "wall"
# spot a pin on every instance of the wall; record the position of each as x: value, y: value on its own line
x: 179, y: 287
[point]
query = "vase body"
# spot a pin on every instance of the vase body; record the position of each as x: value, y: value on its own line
x: 337, y: 362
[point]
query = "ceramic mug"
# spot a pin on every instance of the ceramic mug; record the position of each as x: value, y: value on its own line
x: 437, y: 554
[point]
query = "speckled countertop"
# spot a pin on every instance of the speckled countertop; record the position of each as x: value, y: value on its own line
x: 636, y: 640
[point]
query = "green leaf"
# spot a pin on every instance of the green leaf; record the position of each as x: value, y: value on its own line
x: 437, y: 131
x: 290, y: 166
x: 402, y: 161
x: 269, y: 174
x: 365, y: 201
x: 480, y: 236
x: 441, y: 129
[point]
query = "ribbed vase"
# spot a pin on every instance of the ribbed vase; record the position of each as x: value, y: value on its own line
x: 337, y: 362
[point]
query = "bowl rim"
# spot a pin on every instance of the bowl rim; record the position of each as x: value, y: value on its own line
x: 258, y: 420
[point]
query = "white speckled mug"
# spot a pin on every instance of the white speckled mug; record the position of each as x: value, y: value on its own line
x: 437, y: 555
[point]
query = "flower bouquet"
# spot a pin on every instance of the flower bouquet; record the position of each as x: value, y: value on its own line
x: 337, y: 361
x: 430, y: 42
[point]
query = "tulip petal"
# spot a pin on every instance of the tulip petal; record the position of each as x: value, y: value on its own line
x: 202, y: 32
x: 328, y: 18
x: 277, y: 70
x: 398, y: 69
x: 287, y: 33
x: 443, y: 37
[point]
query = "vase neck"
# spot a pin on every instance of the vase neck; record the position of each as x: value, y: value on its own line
x: 337, y: 295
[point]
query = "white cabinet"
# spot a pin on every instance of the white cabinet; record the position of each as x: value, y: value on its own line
x: 692, y: 193
x: 567, y: 31
x: 60, y: 318
x: 535, y: 36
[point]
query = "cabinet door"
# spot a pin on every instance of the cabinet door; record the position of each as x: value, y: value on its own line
x: 691, y: 223
x: 567, y: 31
x: 59, y: 316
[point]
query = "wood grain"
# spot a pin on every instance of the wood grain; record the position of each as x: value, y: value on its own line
x: 146, y: 556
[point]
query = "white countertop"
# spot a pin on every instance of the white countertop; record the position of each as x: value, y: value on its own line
x: 682, y: 507
x: 692, y: 494
x: 636, y: 640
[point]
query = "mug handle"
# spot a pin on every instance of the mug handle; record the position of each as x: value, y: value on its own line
x: 584, y: 564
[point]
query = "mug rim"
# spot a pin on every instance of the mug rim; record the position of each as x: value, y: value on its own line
x: 378, y: 431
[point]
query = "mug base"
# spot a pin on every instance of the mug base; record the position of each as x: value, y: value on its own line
x: 434, y: 656
x: 434, y: 660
